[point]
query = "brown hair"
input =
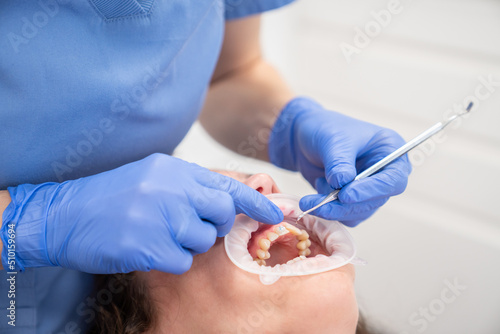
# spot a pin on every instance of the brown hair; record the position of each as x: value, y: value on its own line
x: 131, y: 310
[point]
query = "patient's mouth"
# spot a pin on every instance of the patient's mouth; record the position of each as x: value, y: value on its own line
x: 272, y: 252
x: 284, y: 243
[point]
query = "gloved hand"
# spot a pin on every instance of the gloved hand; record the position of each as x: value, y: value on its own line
x: 330, y: 149
x: 150, y: 214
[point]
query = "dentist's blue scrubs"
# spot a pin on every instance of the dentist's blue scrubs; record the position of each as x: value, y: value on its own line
x: 87, y: 86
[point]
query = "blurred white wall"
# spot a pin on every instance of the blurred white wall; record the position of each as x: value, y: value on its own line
x: 445, y: 229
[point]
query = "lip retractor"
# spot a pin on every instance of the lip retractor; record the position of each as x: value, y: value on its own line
x: 332, y: 236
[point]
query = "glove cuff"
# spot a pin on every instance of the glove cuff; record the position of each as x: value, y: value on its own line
x: 24, y: 222
x: 282, y: 146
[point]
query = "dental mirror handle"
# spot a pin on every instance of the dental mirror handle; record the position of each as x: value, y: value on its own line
x: 391, y: 157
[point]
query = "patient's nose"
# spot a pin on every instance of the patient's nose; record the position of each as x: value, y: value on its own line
x: 263, y: 183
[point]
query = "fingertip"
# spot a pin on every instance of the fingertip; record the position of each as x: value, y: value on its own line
x: 406, y: 163
x: 269, y: 213
x: 341, y: 175
x: 351, y: 223
x: 179, y: 265
x: 222, y: 230
x: 401, y: 176
x: 305, y: 202
x: 272, y: 213
x: 228, y: 221
x: 185, y: 263
x: 310, y: 201
x: 330, y: 211
x: 277, y: 215
x: 256, y: 206
x: 322, y: 186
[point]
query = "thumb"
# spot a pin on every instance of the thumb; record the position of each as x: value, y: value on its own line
x: 339, y: 161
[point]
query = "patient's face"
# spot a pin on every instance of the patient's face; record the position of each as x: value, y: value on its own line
x: 215, y: 296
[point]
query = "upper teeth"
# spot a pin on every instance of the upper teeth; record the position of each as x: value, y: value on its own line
x: 302, y: 236
x: 280, y: 230
x: 264, y: 244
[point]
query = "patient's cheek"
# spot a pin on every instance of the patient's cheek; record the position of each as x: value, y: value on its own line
x: 327, y: 301
x: 323, y: 303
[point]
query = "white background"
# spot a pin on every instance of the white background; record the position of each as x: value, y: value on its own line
x: 446, y: 226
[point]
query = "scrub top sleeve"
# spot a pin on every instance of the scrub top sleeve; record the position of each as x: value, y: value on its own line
x: 235, y: 9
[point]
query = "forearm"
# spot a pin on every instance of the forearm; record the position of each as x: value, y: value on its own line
x: 4, y: 202
x: 242, y: 106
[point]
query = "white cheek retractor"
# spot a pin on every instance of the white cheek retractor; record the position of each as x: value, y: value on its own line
x: 331, y: 235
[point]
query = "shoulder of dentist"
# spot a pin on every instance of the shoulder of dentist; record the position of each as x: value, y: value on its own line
x: 95, y: 97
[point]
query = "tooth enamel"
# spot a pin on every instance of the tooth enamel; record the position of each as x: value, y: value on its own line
x: 276, y: 232
x: 302, y: 244
x: 260, y: 262
x: 261, y: 254
x: 303, y: 236
x: 292, y: 229
x: 305, y: 252
x: 280, y: 230
x: 264, y: 244
x: 272, y: 236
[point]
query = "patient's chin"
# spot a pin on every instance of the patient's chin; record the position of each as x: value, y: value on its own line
x: 284, y: 243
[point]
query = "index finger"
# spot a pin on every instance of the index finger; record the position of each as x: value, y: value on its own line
x: 389, y: 181
x: 246, y: 200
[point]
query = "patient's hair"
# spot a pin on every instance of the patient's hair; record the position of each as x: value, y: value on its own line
x: 131, y: 310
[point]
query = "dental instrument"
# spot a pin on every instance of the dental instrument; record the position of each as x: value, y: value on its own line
x: 393, y: 156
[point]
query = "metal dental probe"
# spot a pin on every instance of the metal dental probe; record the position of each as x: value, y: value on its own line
x: 393, y: 156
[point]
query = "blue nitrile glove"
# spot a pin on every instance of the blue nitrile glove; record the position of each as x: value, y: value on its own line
x: 150, y: 214
x: 330, y: 149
